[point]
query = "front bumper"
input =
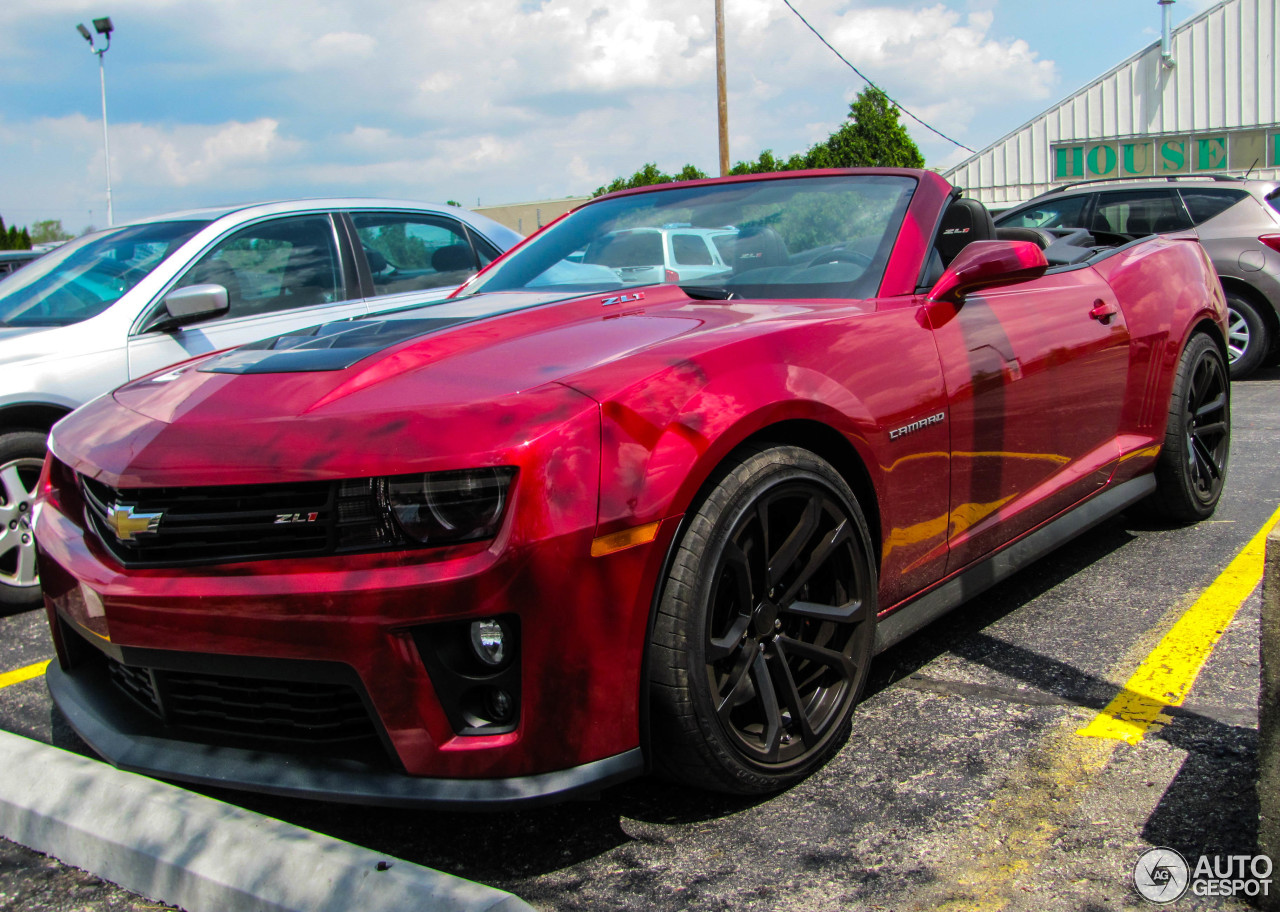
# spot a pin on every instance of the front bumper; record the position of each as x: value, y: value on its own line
x: 129, y: 742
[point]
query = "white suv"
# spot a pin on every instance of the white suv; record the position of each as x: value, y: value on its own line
x: 651, y: 256
x: 118, y: 304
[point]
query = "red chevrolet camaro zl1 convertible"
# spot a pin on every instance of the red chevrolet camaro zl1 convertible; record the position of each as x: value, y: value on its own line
x: 593, y: 516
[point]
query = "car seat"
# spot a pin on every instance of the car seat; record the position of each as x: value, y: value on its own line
x: 965, y: 221
x: 758, y: 248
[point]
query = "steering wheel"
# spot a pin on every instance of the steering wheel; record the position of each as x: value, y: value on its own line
x: 841, y: 255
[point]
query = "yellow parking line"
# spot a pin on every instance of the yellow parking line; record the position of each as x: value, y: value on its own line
x: 1165, y: 676
x: 23, y: 674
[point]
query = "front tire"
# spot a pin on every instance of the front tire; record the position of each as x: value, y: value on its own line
x: 21, y: 457
x: 765, y: 627
x: 1193, y: 461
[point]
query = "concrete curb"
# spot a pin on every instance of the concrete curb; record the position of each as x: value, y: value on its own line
x: 1269, y: 712
x: 202, y: 855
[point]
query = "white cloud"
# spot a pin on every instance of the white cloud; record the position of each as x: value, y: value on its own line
x: 197, y: 155
x: 503, y: 99
x: 343, y: 45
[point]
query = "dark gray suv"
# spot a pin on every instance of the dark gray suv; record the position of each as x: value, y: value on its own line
x: 1238, y: 222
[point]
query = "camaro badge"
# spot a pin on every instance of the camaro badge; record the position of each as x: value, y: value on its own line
x: 917, y: 425
x: 126, y: 524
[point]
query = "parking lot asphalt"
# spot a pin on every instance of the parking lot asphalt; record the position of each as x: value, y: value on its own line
x: 965, y: 783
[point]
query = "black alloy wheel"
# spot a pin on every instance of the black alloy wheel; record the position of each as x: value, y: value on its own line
x: 766, y: 628
x: 1193, y: 462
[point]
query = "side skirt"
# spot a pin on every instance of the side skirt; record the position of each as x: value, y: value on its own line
x: 930, y: 606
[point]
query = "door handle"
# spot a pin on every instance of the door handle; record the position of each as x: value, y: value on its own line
x: 1103, y: 311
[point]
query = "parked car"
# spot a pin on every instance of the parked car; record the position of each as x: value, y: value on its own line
x: 645, y: 256
x: 541, y: 538
x: 123, y: 302
x: 1238, y: 221
x: 13, y: 260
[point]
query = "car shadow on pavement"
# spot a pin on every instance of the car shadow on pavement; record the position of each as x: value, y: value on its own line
x: 1261, y: 375
x: 942, y: 635
x: 1210, y: 807
x: 503, y: 848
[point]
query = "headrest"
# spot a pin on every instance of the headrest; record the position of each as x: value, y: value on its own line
x: 453, y: 258
x: 965, y: 221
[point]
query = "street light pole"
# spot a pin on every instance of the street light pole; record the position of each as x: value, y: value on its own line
x: 721, y: 96
x: 105, y: 28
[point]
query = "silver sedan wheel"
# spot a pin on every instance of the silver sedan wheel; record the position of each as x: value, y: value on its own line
x: 1237, y: 335
x: 18, y: 480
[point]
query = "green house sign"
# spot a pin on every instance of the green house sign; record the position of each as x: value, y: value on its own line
x: 1172, y: 153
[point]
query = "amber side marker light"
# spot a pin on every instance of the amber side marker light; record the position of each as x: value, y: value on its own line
x: 627, y: 538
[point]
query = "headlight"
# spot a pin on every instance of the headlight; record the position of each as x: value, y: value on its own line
x: 448, y: 507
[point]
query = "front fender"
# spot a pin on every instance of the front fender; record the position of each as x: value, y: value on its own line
x: 654, y: 460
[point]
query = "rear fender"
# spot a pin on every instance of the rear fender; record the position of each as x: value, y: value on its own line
x: 1168, y: 290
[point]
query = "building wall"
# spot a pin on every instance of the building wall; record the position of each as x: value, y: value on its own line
x: 1221, y: 95
x: 529, y: 217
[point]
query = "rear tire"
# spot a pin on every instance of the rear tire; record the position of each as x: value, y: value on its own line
x: 1248, y: 341
x: 1192, y: 466
x: 765, y: 627
x: 21, y: 457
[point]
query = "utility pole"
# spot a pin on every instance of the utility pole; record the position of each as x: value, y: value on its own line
x: 722, y: 98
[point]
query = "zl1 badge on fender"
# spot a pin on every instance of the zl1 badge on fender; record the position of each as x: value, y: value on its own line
x: 623, y: 299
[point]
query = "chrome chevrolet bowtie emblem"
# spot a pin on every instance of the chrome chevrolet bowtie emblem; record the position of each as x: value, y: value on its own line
x: 126, y: 524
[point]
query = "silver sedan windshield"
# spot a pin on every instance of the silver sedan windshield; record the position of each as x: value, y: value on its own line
x: 84, y: 277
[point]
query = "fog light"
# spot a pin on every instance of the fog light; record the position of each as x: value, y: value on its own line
x: 499, y: 704
x: 489, y: 641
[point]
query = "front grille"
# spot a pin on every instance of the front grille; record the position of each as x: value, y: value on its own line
x: 236, y: 522
x: 255, y: 709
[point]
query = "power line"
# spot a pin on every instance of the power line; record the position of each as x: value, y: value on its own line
x: 872, y: 84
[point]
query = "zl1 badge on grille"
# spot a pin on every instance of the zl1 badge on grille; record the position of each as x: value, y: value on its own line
x: 286, y: 519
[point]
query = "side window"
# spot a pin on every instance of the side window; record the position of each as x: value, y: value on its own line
x: 486, y: 251
x: 408, y: 252
x: 1138, y: 212
x: 690, y: 250
x: 626, y: 248
x: 1205, y: 202
x: 271, y: 266
x: 1067, y: 212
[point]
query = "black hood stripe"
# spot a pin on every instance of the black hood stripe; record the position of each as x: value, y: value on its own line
x: 338, y: 345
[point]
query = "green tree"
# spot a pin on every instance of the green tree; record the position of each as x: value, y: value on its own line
x: 650, y: 175
x: 48, y: 231
x: 4, y: 235
x: 15, y: 239
x: 870, y: 137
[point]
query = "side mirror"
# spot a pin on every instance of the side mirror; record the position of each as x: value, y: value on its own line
x: 189, y: 304
x: 988, y: 264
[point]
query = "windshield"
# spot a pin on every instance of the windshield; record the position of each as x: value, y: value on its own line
x: 82, y: 278
x: 803, y: 237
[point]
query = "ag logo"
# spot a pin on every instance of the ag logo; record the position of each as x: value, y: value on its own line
x: 1161, y: 876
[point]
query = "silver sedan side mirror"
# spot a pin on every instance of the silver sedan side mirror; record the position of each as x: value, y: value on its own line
x: 196, y: 302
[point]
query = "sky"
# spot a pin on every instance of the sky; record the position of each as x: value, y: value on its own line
x: 215, y: 102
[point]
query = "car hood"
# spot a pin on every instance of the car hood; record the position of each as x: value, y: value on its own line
x: 470, y: 376
x: 9, y: 332
x: 30, y: 343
